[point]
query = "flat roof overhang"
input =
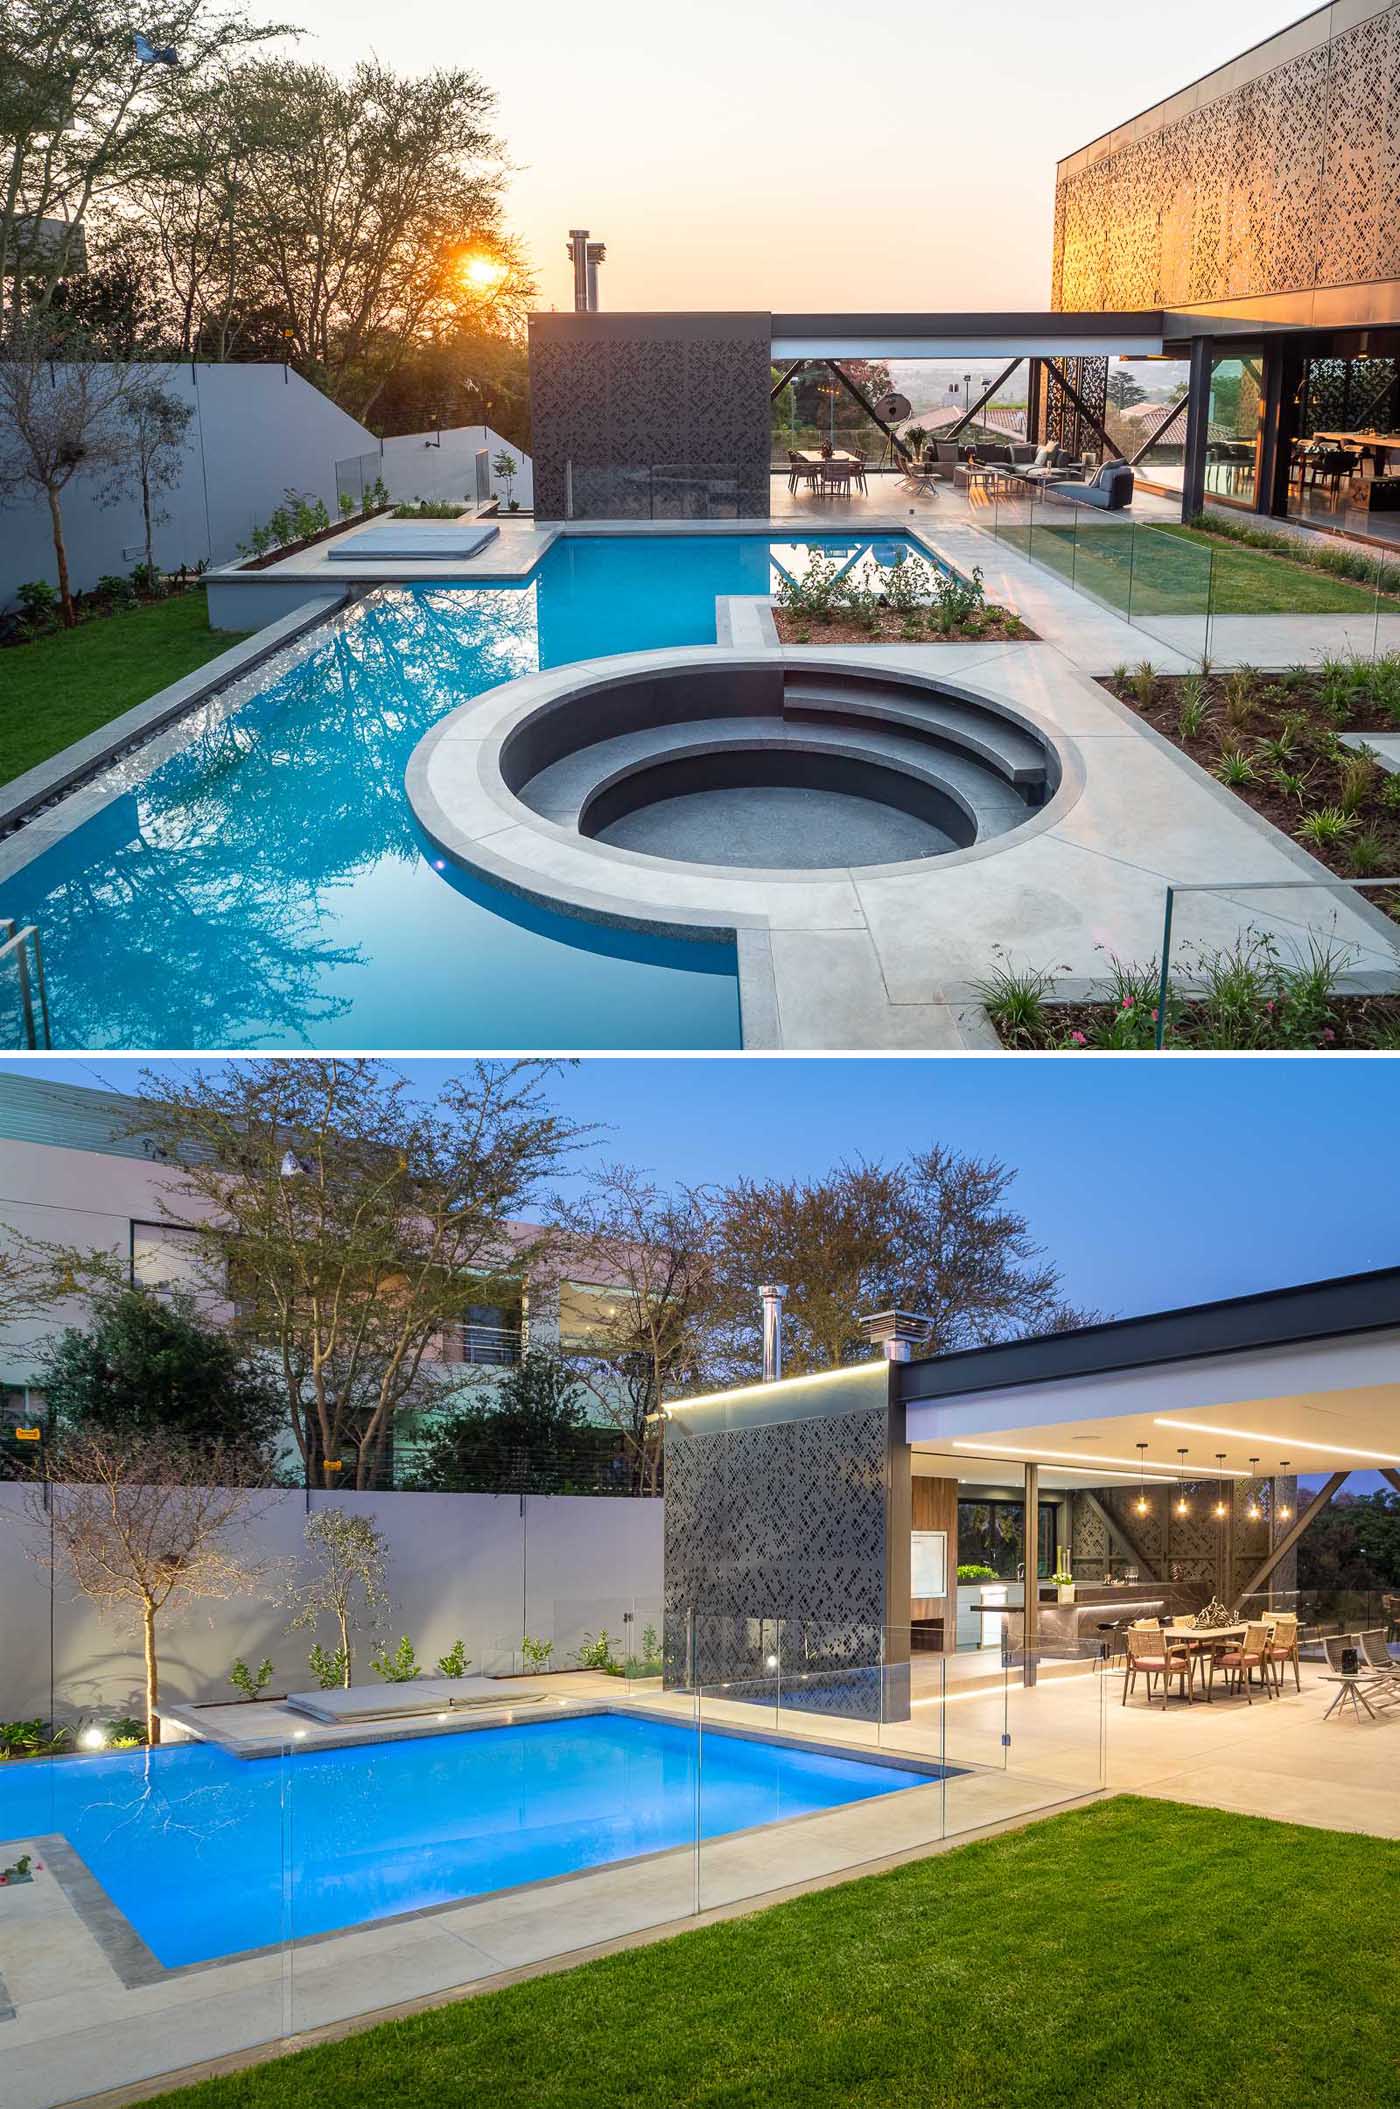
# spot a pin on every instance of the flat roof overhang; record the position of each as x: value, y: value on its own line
x: 1045, y: 334
x: 1310, y: 1375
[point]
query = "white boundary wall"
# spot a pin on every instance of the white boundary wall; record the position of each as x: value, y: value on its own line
x: 483, y: 1568
x: 417, y: 466
x: 257, y: 432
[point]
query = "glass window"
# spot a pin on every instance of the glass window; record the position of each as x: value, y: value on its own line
x: 1232, y: 438
x: 989, y: 1535
x: 164, y: 1257
x: 586, y: 1311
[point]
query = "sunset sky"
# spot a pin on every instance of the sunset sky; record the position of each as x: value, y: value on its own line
x: 785, y: 153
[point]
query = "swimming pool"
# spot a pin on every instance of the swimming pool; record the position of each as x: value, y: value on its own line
x: 266, y: 885
x: 208, y: 1855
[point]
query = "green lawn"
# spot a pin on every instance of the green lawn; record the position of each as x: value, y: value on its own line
x: 66, y: 684
x: 1132, y: 1955
x: 1167, y: 570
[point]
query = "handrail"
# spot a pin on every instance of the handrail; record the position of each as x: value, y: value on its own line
x: 20, y: 941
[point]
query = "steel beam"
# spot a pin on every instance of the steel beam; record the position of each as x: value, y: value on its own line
x: 985, y: 397
x: 869, y: 408
x: 1063, y: 380
x: 1157, y: 430
x: 778, y: 386
x: 1286, y: 1544
x: 1193, y: 468
x: 1030, y: 1539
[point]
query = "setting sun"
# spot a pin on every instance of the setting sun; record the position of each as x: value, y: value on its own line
x: 481, y: 272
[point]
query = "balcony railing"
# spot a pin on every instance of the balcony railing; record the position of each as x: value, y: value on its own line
x: 492, y: 1346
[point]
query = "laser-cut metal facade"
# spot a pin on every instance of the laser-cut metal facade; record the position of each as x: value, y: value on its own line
x: 1278, y: 174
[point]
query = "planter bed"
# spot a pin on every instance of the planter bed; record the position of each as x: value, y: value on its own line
x: 1354, y: 1022
x: 998, y: 626
x: 1243, y: 712
x: 322, y: 534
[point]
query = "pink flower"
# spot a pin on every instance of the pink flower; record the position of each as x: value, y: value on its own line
x: 1127, y: 1003
x: 1329, y: 1034
x: 1079, y: 1039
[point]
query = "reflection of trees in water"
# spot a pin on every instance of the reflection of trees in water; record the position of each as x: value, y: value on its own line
x: 212, y: 899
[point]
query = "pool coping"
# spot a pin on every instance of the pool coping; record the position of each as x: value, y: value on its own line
x: 136, y: 1966
x: 49, y: 782
x: 653, y: 895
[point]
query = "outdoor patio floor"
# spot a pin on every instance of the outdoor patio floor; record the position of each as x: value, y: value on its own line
x: 77, y: 2027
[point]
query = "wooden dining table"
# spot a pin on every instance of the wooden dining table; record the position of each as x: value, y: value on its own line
x: 1381, y: 444
x: 1199, y: 1639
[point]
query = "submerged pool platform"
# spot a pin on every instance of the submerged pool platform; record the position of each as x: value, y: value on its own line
x: 207, y: 1856
x: 255, y: 877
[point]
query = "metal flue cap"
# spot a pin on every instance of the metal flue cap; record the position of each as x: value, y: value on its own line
x: 897, y: 1332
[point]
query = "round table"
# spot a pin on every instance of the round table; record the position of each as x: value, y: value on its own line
x: 1351, y: 1683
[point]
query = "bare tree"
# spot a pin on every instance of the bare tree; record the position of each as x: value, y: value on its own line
x: 650, y: 1337
x: 151, y: 448
x: 145, y: 1526
x: 349, y: 1556
x: 57, y: 421
x: 356, y: 1225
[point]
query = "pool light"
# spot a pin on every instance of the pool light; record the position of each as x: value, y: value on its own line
x: 93, y: 1738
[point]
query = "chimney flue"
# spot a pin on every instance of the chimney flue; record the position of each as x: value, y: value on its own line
x: 772, y: 1294
x: 898, y: 1333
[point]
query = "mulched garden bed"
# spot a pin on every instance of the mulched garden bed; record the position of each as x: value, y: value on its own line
x: 997, y: 626
x: 1084, y: 1028
x: 1275, y: 741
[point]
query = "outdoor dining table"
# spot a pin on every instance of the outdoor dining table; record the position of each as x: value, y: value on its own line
x: 1200, y: 1638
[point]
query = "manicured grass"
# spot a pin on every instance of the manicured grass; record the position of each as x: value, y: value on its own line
x: 1167, y: 570
x: 1133, y: 1955
x: 66, y: 684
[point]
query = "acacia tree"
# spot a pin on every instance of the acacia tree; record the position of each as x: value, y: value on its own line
x: 80, y: 116
x: 933, y: 1234
x: 651, y: 1335
x: 371, y: 210
x: 353, y: 1224
x: 349, y: 1558
x: 146, y: 1525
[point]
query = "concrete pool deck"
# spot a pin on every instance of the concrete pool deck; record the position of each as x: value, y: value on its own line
x: 872, y: 957
x: 79, y: 2031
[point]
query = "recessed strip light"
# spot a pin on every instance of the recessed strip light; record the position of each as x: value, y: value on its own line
x: 1258, y: 1435
x: 782, y: 1384
x: 1077, y: 1457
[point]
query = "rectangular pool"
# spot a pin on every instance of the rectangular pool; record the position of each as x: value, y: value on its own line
x: 208, y: 1855
x: 266, y: 885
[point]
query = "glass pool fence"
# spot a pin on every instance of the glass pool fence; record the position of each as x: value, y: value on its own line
x: 1216, y: 599
x: 609, y: 1770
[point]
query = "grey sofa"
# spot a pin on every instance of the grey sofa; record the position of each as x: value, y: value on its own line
x: 1111, y: 490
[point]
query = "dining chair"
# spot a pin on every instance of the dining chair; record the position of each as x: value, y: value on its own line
x: 858, y: 472
x: 1238, y: 1663
x: 836, y: 476
x: 1282, y: 1647
x: 1150, y: 1654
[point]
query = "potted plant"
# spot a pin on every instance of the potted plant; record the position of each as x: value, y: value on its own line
x: 1063, y: 1579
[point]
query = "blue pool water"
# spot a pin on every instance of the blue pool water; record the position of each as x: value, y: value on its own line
x: 267, y: 886
x: 208, y: 1854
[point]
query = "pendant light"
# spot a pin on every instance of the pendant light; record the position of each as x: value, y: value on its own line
x: 1183, y: 1506
x: 1283, y: 1511
x: 1141, y: 1504
x: 1221, y: 1511
x: 1253, y: 1511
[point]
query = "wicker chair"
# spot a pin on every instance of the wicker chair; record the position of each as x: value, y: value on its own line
x: 1150, y: 1654
x: 800, y: 471
x: 1251, y: 1654
x: 1377, y: 1656
x: 1391, y: 1607
x: 1281, y: 1647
